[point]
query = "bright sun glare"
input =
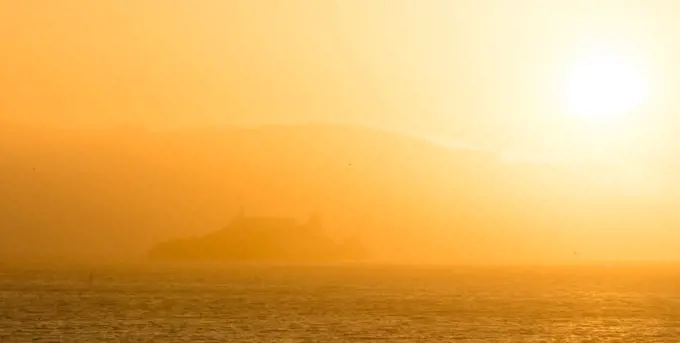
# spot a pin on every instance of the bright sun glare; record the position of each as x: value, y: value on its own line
x: 605, y: 86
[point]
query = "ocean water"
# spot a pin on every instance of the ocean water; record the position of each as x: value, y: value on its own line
x: 339, y: 304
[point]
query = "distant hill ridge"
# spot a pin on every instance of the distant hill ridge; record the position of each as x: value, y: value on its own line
x: 408, y: 198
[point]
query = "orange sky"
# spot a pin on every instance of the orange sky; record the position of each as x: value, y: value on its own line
x: 482, y: 73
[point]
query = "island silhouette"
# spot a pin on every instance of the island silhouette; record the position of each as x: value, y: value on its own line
x: 409, y: 199
x: 263, y: 239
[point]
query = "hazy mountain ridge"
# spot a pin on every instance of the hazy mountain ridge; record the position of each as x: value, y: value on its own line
x: 410, y: 198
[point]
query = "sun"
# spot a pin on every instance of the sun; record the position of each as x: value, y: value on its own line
x: 604, y: 87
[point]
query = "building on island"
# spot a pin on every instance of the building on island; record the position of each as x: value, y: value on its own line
x: 265, y: 239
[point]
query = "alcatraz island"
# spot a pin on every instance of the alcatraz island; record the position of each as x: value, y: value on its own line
x: 262, y: 239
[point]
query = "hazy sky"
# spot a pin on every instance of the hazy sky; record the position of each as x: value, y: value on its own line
x: 591, y: 84
x: 480, y: 72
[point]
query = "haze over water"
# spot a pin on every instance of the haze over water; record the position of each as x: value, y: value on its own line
x: 293, y: 171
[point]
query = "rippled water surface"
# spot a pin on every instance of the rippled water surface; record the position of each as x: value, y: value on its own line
x: 339, y: 304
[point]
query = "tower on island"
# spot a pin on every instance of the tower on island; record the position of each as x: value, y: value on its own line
x: 273, y: 239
